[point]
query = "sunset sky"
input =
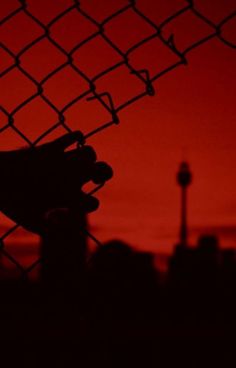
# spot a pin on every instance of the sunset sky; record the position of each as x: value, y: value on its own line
x: 191, y: 117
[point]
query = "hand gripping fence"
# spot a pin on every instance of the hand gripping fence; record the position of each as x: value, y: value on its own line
x: 105, y: 99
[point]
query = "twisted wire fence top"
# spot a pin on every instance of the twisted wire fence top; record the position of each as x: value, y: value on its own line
x: 90, y: 32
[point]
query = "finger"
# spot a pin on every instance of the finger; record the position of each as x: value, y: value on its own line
x: 79, y: 165
x: 84, y: 155
x: 82, y: 172
x: 101, y: 172
x: 89, y: 203
x: 61, y: 143
x: 80, y: 205
x: 77, y: 170
x: 83, y: 203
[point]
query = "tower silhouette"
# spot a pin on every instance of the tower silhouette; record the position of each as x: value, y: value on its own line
x: 184, y: 179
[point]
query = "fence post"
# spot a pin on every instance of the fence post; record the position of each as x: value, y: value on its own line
x: 63, y: 249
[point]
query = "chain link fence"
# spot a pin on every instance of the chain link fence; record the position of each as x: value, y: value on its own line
x: 21, y: 60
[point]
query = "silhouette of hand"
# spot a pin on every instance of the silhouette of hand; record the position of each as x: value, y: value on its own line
x: 37, y: 180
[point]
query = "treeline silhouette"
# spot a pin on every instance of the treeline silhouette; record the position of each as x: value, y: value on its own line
x: 117, y: 309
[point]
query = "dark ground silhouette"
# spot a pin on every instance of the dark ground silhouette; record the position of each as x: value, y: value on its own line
x: 116, y: 309
x: 119, y: 311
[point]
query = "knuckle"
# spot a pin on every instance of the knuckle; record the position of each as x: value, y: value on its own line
x: 89, y: 153
x: 102, y: 172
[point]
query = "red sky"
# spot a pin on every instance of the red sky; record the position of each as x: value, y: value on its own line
x: 192, y: 115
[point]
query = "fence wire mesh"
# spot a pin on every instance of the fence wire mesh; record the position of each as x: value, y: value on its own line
x: 90, y: 32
